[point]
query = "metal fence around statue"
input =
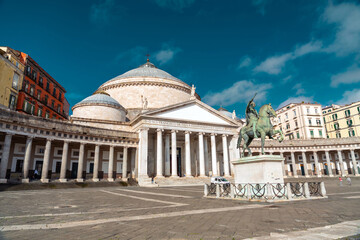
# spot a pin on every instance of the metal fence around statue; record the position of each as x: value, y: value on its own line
x: 258, y: 190
x: 279, y: 190
x: 297, y: 189
x: 225, y: 190
x: 315, y: 189
x: 240, y: 190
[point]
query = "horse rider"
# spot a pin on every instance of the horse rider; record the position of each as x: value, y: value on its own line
x: 251, y: 116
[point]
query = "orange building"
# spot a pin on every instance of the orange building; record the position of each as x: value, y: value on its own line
x: 40, y: 94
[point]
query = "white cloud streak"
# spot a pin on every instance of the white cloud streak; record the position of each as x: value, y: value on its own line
x: 244, y: 62
x: 346, y: 18
x: 350, y: 97
x: 274, y: 65
x: 166, y: 54
x: 352, y: 75
x: 241, y: 91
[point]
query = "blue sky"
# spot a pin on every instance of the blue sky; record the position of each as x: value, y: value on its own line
x: 287, y: 51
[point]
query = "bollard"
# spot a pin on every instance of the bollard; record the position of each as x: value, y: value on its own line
x: 248, y: 191
x: 306, y: 190
x: 288, y: 190
x: 322, y: 189
x: 206, y: 190
x: 232, y: 191
x: 217, y: 190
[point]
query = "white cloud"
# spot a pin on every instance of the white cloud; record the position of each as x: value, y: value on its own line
x: 244, y: 62
x: 349, y: 97
x: 286, y: 79
x: 352, y: 75
x: 175, y: 5
x: 297, y: 99
x: 166, y: 54
x: 240, y: 91
x: 299, y: 89
x: 275, y: 65
x: 346, y: 17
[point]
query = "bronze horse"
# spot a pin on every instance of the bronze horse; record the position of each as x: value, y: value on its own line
x: 264, y: 128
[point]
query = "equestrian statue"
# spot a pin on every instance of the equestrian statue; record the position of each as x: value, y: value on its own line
x: 257, y: 125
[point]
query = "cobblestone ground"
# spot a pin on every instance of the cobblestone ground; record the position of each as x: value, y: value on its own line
x: 164, y: 213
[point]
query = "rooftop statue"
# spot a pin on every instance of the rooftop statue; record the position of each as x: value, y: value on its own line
x: 257, y: 125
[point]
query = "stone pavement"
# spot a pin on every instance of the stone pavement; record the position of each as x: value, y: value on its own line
x: 174, y: 213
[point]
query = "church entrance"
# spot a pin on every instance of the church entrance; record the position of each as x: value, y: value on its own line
x: 178, y: 158
x: 74, y: 169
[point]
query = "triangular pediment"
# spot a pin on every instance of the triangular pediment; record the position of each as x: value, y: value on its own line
x: 194, y: 111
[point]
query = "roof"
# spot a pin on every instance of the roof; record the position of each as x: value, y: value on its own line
x: 146, y: 70
x: 101, y: 99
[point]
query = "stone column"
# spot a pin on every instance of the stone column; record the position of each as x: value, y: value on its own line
x: 187, y: 155
x: 213, y: 155
x: 64, y: 159
x: 201, y: 155
x: 293, y: 164
x: 96, y: 163
x: 167, y: 155
x: 225, y: 155
x: 305, y: 164
x: 317, y: 168
x: 206, y: 152
x: 283, y: 163
x: 5, y: 158
x: 330, y: 174
x: 45, y: 167
x: 159, y: 154
x: 80, y: 163
x: 124, y: 166
x: 111, y: 164
x: 173, y: 154
x: 353, y: 159
x: 143, y: 153
x: 27, y: 157
x: 341, y: 163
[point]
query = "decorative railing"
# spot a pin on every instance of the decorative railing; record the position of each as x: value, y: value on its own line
x: 266, y: 191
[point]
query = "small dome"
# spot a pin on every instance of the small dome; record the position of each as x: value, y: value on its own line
x: 100, y: 98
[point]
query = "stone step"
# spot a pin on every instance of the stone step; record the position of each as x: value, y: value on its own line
x: 169, y: 181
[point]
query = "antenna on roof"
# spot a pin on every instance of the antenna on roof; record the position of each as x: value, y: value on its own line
x: 147, y: 57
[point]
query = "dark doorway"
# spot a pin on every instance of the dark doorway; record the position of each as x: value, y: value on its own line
x: 178, y: 158
x: 74, y: 170
x: 19, y: 166
x: 91, y: 168
x: 38, y: 169
x: 302, y: 169
x: 326, y: 169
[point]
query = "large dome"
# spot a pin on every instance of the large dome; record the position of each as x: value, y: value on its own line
x: 147, y: 84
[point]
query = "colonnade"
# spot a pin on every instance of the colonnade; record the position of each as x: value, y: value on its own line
x: 166, y: 153
x: 5, y: 158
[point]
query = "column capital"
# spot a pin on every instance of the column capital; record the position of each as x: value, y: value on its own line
x: 159, y: 130
x: 315, y: 151
x: 339, y: 150
x: 174, y: 131
x: 30, y: 137
x: 82, y: 143
x: 213, y: 134
x: 50, y: 139
x: 10, y: 134
x: 225, y: 135
x: 67, y: 141
x: 187, y: 132
x: 201, y: 133
x: 303, y: 151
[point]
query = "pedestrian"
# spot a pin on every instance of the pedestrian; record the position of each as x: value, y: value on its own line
x: 348, y: 180
x: 36, y: 174
x: 340, y: 181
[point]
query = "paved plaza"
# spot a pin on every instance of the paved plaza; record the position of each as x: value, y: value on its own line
x: 174, y: 213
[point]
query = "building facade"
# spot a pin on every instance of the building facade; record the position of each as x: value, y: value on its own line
x: 40, y: 94
x: 342, y: 121
x: 12, y: 65
x: 300, y: 121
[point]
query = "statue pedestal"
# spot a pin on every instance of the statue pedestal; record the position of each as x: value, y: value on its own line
x: 259, y: 169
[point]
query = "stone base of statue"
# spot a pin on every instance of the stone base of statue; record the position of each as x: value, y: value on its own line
x: 258, y: 169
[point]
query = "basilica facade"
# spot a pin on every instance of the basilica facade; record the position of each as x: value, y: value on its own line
x: 147, y: 124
